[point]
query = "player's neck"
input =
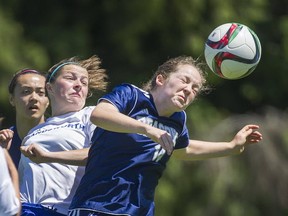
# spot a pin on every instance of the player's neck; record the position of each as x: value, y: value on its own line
x: 25, y: 125
x: 161, y: 106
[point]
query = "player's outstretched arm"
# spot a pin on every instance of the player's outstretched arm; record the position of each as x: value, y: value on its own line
x: 35, y: 153
x: 107, y: 116
x: 199, y: 150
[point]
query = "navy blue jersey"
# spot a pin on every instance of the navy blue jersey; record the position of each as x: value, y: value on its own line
x: 123, y: 169
x: 14, y: 150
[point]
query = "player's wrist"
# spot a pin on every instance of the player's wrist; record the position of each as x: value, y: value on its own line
x: 235, y: 147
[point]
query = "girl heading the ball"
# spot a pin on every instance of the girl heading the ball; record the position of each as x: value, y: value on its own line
x: 138, y: 131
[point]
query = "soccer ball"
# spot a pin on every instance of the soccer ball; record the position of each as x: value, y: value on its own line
x: 232, y: 51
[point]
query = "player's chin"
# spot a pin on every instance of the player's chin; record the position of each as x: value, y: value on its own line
x: 32, y: 112
x: 78, y: 101
x: 181, y: 107
x: 79, y: 104
x: 36, y: 115
x: 184, y: 108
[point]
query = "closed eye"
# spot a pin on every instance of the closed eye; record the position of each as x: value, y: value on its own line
x: 69, y: 77
x: 184, y: 79
x: 196, y: 88
x: 85, y: 83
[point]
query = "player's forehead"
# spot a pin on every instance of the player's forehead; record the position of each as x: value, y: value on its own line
x: 188, y: 71
x: 74, y: 69
x: 31, y: 79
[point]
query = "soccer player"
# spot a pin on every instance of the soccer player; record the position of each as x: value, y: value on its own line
x: 137, y: 132
x: 28, y: 96
x: 47, y: 188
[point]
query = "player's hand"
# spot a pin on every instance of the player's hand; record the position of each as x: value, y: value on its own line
x: 162, y: 137
x: 249, y: 134
x: 6, y: 136
x: 34, y: 152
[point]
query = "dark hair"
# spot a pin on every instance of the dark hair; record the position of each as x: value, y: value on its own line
x: 170, y: 66
x: 14, y: 79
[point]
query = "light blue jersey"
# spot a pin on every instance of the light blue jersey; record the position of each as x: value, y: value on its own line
x: 123, y: 169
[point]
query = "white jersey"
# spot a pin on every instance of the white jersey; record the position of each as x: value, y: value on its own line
x: 53, y: 184
x: 9, y: 203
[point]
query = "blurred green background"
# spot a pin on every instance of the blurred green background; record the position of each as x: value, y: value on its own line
x: 132, y: 38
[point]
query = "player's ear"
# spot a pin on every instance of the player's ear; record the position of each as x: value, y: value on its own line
x: 11, y: 100
x: 49, y: 87
x: 160, y: 79
x: 47, y: 103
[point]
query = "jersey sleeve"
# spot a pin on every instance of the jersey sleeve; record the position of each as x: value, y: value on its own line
x: 123, y: 97
x: 183, y: 139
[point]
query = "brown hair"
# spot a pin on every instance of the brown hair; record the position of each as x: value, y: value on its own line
x: 170, y: 66
x: 97, y: 76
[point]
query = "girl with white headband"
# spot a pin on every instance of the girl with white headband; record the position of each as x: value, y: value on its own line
x: 47, y: 188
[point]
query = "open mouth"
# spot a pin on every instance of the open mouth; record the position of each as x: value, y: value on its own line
x: 34, y: 107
